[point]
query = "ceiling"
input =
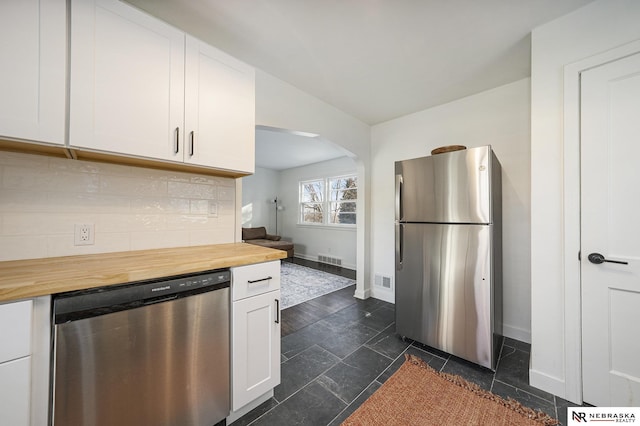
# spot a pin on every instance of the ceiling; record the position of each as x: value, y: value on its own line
x: 376, y: 60
x: 280, y: 149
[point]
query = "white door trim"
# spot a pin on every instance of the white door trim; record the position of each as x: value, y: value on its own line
x: 571, y: 214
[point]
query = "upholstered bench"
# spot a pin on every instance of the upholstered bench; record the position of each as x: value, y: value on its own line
x: 259, y: 236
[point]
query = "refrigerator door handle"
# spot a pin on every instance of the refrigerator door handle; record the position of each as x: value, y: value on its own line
x: 399, y: 185
x: 399, y: 245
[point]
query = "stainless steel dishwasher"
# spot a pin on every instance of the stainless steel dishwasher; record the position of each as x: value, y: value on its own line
x: 145, y: 353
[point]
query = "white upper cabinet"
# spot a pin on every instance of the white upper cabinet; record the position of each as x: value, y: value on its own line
x: 126, y: 81
x: 142, y: 88
x: 32, y: 64
x: 219, y: 109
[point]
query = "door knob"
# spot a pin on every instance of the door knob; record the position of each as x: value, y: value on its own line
x: 597, y: 258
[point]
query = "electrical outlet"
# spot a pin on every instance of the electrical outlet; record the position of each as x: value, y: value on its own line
x: 84, y: 234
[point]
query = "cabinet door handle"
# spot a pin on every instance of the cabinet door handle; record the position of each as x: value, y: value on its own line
x: 277, y: 311
x: 192, y: 143
x: 176, y: 147
x: 261, y: 279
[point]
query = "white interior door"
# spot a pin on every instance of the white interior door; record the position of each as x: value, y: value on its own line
x: 610, y: 198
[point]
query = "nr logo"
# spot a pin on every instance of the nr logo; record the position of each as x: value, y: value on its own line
x: 579, y: 417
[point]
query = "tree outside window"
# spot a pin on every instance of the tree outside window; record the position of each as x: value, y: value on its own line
x: 343, y: 196
x: 312, y: 201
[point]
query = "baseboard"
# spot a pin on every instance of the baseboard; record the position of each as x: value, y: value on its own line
x: 235, y: 415
x: 315, y: 259
x: 304, y: 256
x: 362, y: 294
x: 385, y: 295
x: 547, y: 383
x: 516, y: 333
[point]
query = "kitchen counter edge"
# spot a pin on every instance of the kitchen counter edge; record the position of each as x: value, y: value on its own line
x: 21, y: 279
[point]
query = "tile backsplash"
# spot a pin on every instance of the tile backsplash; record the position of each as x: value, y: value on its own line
x: 131, y: 208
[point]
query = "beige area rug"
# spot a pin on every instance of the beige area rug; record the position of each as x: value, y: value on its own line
x: 299, y: 284
x: 418, y: 395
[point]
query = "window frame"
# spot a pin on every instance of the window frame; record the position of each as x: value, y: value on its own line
x: 330, y: 201
x: 302, y: 203
x: 327, y: 202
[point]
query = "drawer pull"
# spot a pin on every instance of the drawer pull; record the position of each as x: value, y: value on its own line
x: 261, y: 279
x: 277, y: 311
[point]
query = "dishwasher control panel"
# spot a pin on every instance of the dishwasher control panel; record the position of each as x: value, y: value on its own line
x: 185, y: 284
x: 99, y: 301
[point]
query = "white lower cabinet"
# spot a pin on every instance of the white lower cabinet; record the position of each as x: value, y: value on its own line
x: 24, y: 361
x: 15, y: 392
x: 255, y: 332
x: 15, y: 362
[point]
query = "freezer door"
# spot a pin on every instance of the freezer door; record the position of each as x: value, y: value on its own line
x: 444, y: 289
x: 454, y: 187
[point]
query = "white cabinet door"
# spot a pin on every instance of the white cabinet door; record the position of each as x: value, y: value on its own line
x: 40, y: 359
x: 15, y: 392
x: 126, y: 81
x: 32, y: 60
x: 255, y: 347
x: 220, y: 109
x: 15, y: 330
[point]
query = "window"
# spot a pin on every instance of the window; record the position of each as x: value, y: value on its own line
x: 343, y: 194
x: 330, y: 201
x: 312, y: 201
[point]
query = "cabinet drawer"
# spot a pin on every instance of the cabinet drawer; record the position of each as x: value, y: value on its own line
x: 15, y: 330
x: 251, y: 280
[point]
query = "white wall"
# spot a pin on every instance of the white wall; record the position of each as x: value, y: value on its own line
x: 309, y: 240
x: 280, y: 105
x: 41, y: 198
x: 283, y: 106
x: 257, y: 192
x: 593, y: 29
x: 497, y: 117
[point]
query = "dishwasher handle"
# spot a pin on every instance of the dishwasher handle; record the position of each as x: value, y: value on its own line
x: 163, y: 299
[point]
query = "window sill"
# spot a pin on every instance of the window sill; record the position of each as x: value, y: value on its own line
x: 351, y: 228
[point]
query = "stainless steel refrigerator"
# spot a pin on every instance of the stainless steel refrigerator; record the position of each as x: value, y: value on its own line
x: 448, y: 280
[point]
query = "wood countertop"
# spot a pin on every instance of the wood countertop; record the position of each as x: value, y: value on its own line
x: 21, y: 279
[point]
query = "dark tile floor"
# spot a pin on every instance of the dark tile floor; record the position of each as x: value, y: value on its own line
x: 304, y: 314
x: 333, y: 364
